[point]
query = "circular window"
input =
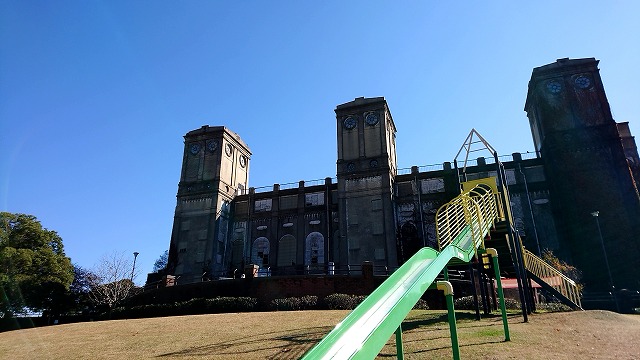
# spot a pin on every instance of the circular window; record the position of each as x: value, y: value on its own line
x: 212, y: 145
x: 582, y: 82
x: 194, y: 148
x: 371, y: 119
x: 554, y: 86
x: 350, y: 123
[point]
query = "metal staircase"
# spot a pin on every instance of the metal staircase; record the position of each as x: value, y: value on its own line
x: 479, y: 209
x: 503, y: 237
x: 552, y: 280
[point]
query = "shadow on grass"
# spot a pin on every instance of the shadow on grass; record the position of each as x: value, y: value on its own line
x: 439, y: 324
x: 467, y: 318
x: 292, y: 344
x: 426, y: 351
x: 295, y: 344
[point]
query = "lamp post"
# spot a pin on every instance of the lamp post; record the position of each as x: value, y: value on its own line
x: 135, y: 256
x: 596, y: 214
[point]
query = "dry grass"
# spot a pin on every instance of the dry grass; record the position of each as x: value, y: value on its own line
x: 287, y: 335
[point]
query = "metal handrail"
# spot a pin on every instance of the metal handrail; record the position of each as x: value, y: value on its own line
x: 476, y: 209
x: 554, y: 278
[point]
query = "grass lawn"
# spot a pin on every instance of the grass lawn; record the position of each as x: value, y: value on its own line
x: 287, y: 335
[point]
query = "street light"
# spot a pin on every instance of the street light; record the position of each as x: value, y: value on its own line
x: 135, y: 256
x: 606, y: 258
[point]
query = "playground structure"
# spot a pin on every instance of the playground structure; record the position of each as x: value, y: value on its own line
x: 463, y: 225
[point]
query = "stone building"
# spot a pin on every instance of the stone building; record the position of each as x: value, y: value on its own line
x: 371, y: 211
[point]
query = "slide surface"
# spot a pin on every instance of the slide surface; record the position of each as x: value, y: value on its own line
x: 365, y: 331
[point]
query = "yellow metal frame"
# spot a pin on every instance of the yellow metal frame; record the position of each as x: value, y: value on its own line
x: 492, y: 182
x: 476, y: 208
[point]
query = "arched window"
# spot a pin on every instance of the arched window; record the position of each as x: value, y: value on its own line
x: 260, y: 252
x: 287, y: 251
x: 314, y: 249
x: 237, y: 252
x: 409, y: 240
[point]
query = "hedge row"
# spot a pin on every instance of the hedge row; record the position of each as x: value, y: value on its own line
x: 349, y: 302
x: 190, y: 307
x: 466, y: 303
x: 243, y: 304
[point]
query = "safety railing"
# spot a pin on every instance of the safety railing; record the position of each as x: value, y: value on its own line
x: 554, y: 278
x: 475, y: 209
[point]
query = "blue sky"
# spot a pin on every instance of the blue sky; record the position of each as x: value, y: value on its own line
x: 95, y: 96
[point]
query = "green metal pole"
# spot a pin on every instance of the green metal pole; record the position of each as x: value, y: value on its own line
x: 399, y: 347
x: 503, y: 308
x: 448, y: 293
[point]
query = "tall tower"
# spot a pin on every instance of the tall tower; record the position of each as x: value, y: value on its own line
x: 366, y: 169
x: 215, y: 168
x: 585, y: 163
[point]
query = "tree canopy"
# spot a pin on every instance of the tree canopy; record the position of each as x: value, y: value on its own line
x: 34, y: 270
x: 161, y: 262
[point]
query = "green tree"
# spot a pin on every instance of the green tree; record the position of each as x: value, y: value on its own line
x: 161, y: 262
x: 35, y: 273
x: 78, y: 299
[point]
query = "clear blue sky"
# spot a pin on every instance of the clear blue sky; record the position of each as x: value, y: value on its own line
x: 95, y: 96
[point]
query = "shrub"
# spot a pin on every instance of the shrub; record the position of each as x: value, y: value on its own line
x: 421, y: 305
x: 343, y: 301
x: 338, y: 302
x: 294, y: 303
x: 350, y: 302
x: 511, y: 304
x: 464, y: 303
x: 309, y: 302
x: 231, y: 304
x: 552, y: 307
x: 192, y: 307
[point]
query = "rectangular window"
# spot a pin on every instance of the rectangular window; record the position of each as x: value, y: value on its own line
x: 510, y: 174
x: 186, y: 224
x: 376, y: 228
x: 263, y: 205
x: 431, y: 186
x: 314, y: 199
x: 288, y: 202
x: 241, y: 207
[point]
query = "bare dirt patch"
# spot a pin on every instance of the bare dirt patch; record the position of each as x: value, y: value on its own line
x: 287, y: 335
